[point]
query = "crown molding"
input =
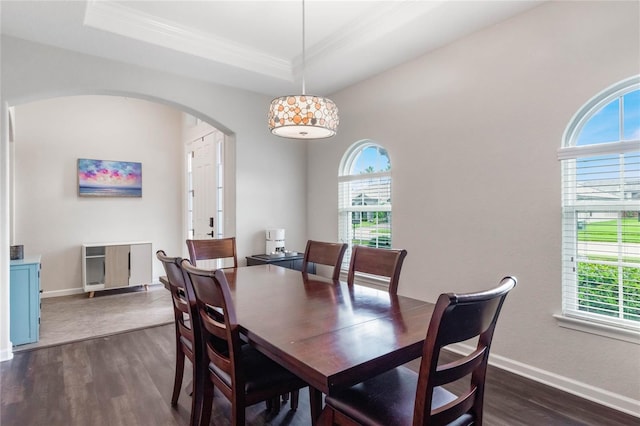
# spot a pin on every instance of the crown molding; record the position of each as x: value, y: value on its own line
x: 369, y: 28
x: 128, y: 22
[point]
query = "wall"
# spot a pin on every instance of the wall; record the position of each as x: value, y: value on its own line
x: 270, y: 171
x: 472, y: 131
x: 53, y: 221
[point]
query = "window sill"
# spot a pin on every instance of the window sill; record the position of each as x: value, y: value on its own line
x: 578, y: 324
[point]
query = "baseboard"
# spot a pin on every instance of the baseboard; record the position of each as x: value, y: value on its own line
x: 72, y: 291
x: 6, y: 354
x: 59, y: 293
x: 600, y: 396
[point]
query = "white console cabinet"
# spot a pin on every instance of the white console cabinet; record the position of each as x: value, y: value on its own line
x: 108, y: 266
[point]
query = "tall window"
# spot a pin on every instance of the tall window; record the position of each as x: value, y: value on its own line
x: 364, y: 197
x: 600, y: 203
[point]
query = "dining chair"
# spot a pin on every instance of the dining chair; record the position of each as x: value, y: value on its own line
x: 403, y: 397
x: 211, y: 249
x: 182, y: 320
x: 239, y: 371
x: 323, y: 253
x: 377, y: 261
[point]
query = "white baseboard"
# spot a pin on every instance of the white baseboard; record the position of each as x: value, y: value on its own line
x: 72, y: 291
x: 6, y: 354
x: 601, y: 396
x: 59, y: 293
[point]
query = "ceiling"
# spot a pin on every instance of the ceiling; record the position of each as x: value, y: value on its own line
x: 257, y: 45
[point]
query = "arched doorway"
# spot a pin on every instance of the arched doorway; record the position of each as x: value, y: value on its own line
x: 64, y: 253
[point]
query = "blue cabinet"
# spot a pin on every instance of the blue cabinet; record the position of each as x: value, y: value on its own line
x: 24, y: 296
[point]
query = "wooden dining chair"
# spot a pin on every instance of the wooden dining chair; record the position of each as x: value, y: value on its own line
x: 377, y: 261
x: 182, y: 320
x: 325, y: 254
x: 403, y: 397
x: 241, y: 373
x: 220, y: 248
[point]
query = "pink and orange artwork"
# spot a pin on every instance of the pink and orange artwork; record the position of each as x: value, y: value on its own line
x: 103, y: 178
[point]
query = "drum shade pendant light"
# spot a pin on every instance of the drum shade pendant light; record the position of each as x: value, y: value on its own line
x: 303, y: 116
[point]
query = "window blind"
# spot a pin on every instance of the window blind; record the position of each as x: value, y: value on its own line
x: 601, y: 235
x: 364, y: 211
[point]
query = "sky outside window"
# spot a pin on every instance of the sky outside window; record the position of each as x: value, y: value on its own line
x: 604, y: 126
x: 371, y: 160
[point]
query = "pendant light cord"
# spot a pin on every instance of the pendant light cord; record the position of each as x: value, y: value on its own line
x: 304, y: 60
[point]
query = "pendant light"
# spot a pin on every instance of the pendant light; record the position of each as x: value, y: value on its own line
x: 303, y: 116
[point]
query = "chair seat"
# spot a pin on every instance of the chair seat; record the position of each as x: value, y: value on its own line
x: 260, y: 372
x: 387, y: 399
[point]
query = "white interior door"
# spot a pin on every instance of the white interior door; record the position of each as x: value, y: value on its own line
x: 206, y: 189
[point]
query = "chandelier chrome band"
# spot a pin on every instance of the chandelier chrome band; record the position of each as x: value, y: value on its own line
x: 303, y: 117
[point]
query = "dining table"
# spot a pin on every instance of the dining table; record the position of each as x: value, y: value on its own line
x: 328, y: 333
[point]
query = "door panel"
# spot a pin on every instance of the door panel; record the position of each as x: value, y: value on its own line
x: 205, y: 184
x: 116, y: 261
x: 140, y: 264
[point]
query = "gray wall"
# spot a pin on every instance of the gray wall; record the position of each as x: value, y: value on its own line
x: 472, y: 131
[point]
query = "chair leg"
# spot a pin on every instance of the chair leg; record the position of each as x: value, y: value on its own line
x: 237, y: 415
x: 205, y: 401
x: 177, y: 381
x: 315, y: 401
x: 295, y: 397
x: 276, y: 405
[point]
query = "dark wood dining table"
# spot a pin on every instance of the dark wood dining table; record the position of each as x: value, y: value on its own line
x: 328, y: 333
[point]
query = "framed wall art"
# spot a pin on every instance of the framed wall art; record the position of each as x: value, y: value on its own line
x: 104, y: 178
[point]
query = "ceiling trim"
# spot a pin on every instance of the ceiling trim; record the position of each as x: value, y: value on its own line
x: 371, y: 27
x: 128, y: 22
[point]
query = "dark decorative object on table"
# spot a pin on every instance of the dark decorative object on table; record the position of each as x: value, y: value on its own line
x: 16, y: 252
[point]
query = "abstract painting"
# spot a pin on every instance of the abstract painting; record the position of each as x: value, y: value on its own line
x: 102, y: 178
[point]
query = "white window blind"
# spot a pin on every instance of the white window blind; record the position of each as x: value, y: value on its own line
x: 600, y: 205
x: 364, y: 198
x: 601, y: 239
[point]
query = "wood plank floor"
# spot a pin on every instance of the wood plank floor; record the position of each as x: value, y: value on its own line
x: 126, y: 379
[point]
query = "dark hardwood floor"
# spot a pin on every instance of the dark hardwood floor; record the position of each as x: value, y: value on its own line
x: 127, y: 380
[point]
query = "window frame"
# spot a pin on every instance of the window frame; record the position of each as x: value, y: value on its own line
x: 344, y: 176
x: 569, y: 154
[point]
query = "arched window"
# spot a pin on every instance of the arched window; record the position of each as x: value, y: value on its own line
x: 364, y: 192
x: 600, y: 203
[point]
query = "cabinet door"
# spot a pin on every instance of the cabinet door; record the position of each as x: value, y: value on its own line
x: 140, y: 264
x: 25, y: 304
x: 116, y: 260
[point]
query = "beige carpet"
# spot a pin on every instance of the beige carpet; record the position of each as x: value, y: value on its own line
x: 78, y: 317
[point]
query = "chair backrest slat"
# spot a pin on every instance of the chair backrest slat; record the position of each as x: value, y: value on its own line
x: 220, y: 248
x: 325, y: 254
x: 377, y: 261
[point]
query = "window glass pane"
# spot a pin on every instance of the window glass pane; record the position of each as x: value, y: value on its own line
x: 608, y: 263
x: 371, y: 159
x: 604, y: 126
x: 632, y: 115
